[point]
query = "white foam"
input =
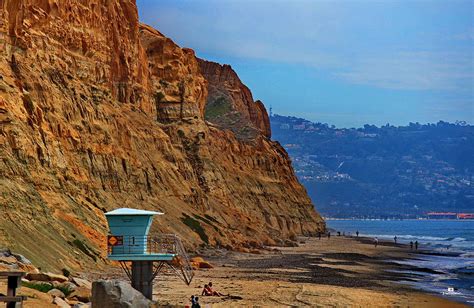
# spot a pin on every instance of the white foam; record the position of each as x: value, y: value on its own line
x: 408, y: 237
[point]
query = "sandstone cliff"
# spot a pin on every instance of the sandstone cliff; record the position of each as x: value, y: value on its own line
x: 99, y: 112
x: 230, y: 103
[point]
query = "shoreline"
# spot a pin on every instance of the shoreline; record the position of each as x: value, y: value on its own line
x: 341, y: 271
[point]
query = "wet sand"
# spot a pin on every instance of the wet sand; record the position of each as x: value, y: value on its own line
x: 338, y: 272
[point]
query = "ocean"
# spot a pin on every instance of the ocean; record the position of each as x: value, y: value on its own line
x: 453, y: 239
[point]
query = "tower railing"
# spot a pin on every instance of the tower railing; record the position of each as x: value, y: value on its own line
x: 159, y: 244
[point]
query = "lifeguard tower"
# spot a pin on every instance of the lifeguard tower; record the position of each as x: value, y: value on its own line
x: 129, y: 241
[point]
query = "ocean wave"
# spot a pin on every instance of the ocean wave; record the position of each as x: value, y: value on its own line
x: 456, y: 239
x: 408, y: 237
x: 460, y: 242
x: 466, y: 271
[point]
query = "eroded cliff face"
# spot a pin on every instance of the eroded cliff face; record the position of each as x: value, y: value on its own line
x: 99, y: 112
x: 230, y: 103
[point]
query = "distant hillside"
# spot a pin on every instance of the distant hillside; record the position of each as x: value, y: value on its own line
x: 383, y: 171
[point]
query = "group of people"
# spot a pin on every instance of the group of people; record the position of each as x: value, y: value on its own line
x: 206, y: 291
x: 411, y: 245
x: 376, y: 240
x: 395, y: 239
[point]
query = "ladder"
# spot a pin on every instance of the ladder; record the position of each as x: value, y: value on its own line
x: 186, y: 268
x: 170, y: 243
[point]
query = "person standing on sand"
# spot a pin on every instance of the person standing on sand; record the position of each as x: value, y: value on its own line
x: 416, y: 245
x: 376, y: 242
x: 411, y: 245
x: 319, y: 235
x: 329, y: 235
x: 195, y: 303
x: 357, y: 233
x: 395, y: 239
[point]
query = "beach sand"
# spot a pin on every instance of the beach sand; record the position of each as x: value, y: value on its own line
x: 338, y: 272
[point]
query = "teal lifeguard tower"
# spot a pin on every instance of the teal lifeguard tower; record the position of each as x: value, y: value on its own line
x: 129, y: 241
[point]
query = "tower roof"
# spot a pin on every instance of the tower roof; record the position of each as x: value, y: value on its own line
x: 128, y: 211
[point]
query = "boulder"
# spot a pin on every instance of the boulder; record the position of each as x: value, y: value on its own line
x: 117, y: 294
x: 61, y: 303
x: 198, y: 262
x: 46, y: 277
x: 73, y: 302
x: 28, y: 268
x: 81, y: 294
x: 82, y: 305
x: 7, y: 259
x: 36, y: 283
x: 22, y: 259
x: 67, y: 284
x: 56, y: 293
x: 5, y: 252
x: 205, y: 264
x: 13, y: 261
x: 82, y: 282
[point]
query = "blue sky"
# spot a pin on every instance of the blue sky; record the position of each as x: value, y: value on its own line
x: 345, y: 63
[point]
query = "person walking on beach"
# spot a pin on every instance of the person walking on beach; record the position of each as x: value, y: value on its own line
x: 329, y: 235
x: 357, y: 233
x: 395, y: 239
x: 411, y: 245
x: 416, y: 245
x: 376, y: 242
x: 319, y: 235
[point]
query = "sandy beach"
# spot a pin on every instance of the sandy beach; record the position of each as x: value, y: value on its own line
x: 338, y: 272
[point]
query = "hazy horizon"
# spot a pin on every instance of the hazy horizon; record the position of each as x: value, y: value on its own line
x: 346, y: 63
x: 361, y: 126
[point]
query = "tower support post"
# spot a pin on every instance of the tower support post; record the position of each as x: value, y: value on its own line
x: 142, y: 277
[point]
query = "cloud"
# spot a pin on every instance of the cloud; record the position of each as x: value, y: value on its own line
x: 384, y: 45
x: 415, y: 70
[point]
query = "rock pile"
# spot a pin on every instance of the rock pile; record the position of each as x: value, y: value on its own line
x: 13, y: 261
x: 64, y: 291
